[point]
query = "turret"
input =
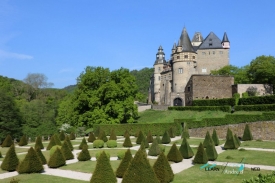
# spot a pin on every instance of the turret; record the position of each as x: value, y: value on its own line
x: 225, y: 41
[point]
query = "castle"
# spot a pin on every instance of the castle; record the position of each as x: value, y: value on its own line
x: 168, y: 84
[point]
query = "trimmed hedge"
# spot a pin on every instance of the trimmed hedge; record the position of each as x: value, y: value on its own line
x: 174, y: 154
x: 83, y: 143
x: 7, y: 142
x: 23, y: 141
x: 247, y: 135
x: 163, y: 169
x: 10, y: 161
x: 97, y: 154
x: 111, y: 143
x: 98, y: 144
x: 38, y: 143
x: 270, y: 99
x: 127, y: 142
x: 84, y: 155
x: 262, y: 107
x: 215, y: 102
x: 201, y: 156
x: 225, y: 108
x: 57, y: 159
x: 124, y: 163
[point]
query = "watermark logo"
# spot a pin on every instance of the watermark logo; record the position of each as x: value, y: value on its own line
x: 208, y: 167
x: 255, y: 169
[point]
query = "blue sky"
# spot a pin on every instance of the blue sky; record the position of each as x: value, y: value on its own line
x: 59, y: 38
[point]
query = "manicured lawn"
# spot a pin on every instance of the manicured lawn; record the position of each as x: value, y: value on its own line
x: 250, y: 157
x: 4, y: 150
x: 113, y: 152
x: 259, y: 144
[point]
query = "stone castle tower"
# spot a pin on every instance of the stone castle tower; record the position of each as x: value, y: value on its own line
x: 199, y: 56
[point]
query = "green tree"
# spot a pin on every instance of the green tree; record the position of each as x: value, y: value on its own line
x: 149, y: 137
x: 207, y: 140
x: 140, y: 137
x: 113, y: 135
x: 41, y: 156
x: 83, y: 143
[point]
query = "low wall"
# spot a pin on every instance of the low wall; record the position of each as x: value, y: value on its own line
x: 143, y: 108
x: 264, y: 130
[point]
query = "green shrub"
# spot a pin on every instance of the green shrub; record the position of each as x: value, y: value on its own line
x: 137, y: 133
x: 154, y: 150
x: 259, y: 107
x: 158, y: 139
x: 102, y: 136
x: 91, y: 137
x: 83, y: 143
x: 207, y: 140
x: 244, y: 95
x: 10, y: 161
x: 171, y: 132
x: 14, y: 180
x: 67, y: 139
x: 84, y: 155
x: 211, y: 152
x: 215, y: 138
x: 65, y: 149
x: 1, y: 155
x: 185, y: 132
x: 126, y: 133
x: 62, y: 135
x: 215, y: 102
x: 41, y: 156
x: 185, y: 149
x: 53, y: 149
x: 57, y: 139
x: 174, y: 154
x: 57, y: 159
x: 103, y: 170
x: 72, y: 136
x: 139, y: 170
x: 269, y: 99
x: 140, y: 137
x: 146, y: 144
x: 268, y: 178
x: 121, y: 154
x: 97, y: 154
x: 127, y: 142
x: 149, y: 137
x: 31, y: 163
x: 165, y: 138
x: 113, y: 135
x: 98, y: 144
x: 230, y: 142
x: 162, y: 148
x: 23, y: 141
x: 236, y: 96
x: 7, y: 142
x: 201, y: 156
x: 127, y: 158
x: 224, y: 108
x: 237, y: 140
x: 163, y: 169
x: 247, y: 135
x: 111, y: 143
x: 38, y: 143
x: 54, y: 141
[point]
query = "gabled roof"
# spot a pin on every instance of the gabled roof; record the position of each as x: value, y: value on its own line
x: 185, y: 42
x: 211, y: 42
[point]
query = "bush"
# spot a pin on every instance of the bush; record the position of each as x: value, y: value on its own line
x: 215, y: 138
x: 10, y: 161
x: 72, y: 136
x: 236, y: 96
x: 215, y: 102
x: 97, y: 154
x: 111, y: 143
x: 162, y: 148
x: 67, y: 151
x: 7, y: 142
x: 259, y: 107
x: 126, y: 133
x: 103, y: 170
x: 127, y: 158
x: 140, y: 137
x: 139, y: 170
x: 98, y: 144
x: 41, y: 156
x: 165, y: 138
x: 149, y: 137
x: 201, y: 156
x: 244, y: 95
x: 268, y: 178
x: 146, y: 144
x: 23, y: 141
x: 91, y: 137
x: 211, y: 152
x: 62, y: 135
x: 247, y: 135
x: 185, y: 132
x: 230, y: 142
x: 127, y: 142
x: 154, y: 149
x: 237, y: 140
x: 224, y: 108
x: 185, y: 149
x: 163, y: 169
x: 102, y: 136
x: 121, y: 154
x: 83, y: 143
x: 158, y: 139
x: 269, y: 99
x: 14, y: 180
x: 113, y: 135
x: 54, y: 141
x: 31, y: 163
x: 84, y: 155
x: 67, y: 139
x: 53, y: 149
x: 57, y: 139
x: 207, y: 140
x: 1, y: 155
x: 57, y: 159
x: 174, y: 154
x: 38, y: 143
x: 171, y: 132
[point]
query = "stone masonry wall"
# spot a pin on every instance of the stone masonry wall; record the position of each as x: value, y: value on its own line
x: 264, y: 130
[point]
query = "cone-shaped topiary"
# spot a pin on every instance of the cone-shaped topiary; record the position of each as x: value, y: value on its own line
x: 124, y: 164
x: 149, y: 137
x: 154, y: 149
x: 207, y: 140
x: 146, y: 144
x: 1, y: 155
x: 163, y: 169
x: 31, y: 163
x: 41, y: 156
x: 174, y: 154
x: 72, y: 136
x: 97, y: 131
x: 171, y: 132
x: 142, y: 148
x: 185, y: 132
x: 57, y: 139
x: 38, y: 143
x: 211, y: 152
x: 185, y: 149
x: 237, y: 140
x: 51, y: 143
x: 126, y: 133
x: 62, y: 135
x: 10, y: 161
x: 103, y: 170
x: 137, y: 133
x: 230, y: 142
x: 91, y: 137
x: 102, y: 136
x: 23, y: 141
x: 158, y: 139
x: 215, y: 138
x: 112, y: 135
x: 53, y: 149
x: 57, y: 159
x: 67, y: 151
x: 201, y: 156
x: 127, y: 142
x: 67, y: 139
x: 7, y: 142
x: 83, y: 142
x: 84, y: 155
x: 247, y: 135
x: 139, y: 170
x: 140, y: 137
x: 165, y: 138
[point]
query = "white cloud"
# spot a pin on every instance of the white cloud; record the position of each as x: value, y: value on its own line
x: 11, y: 55
x: 66, y: 70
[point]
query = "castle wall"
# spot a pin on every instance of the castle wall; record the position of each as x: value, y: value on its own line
x: 262, y: 89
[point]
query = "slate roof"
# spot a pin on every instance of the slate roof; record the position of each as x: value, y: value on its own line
x: 225, y: 38
x: 211, y: 42
x: 185, y: 42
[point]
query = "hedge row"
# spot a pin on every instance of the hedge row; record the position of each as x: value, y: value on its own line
x: 133, y: 128
x: 228, y: 119
x: 270, y: 99
x: 262, y: 107
x: 214, y: 102
x: 226, y: 108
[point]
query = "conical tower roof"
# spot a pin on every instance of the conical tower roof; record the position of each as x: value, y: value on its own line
x: 185, y: 42
x: 225, y: 38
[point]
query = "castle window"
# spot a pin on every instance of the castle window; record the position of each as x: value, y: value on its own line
x: 210, y: 44
x: 193, y: 57
x: 178, y: 57
x: 204, y: 70
x: 210, y: 39
x: 180, y: 70
x: 189, y: 88
x: 185, y: 56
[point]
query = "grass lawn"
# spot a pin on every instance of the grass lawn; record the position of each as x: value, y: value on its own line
x: 113, y: 152
x: 4, y: 150
x: 250, y: 157
x: 194, y: 174
x: 258, y: 144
